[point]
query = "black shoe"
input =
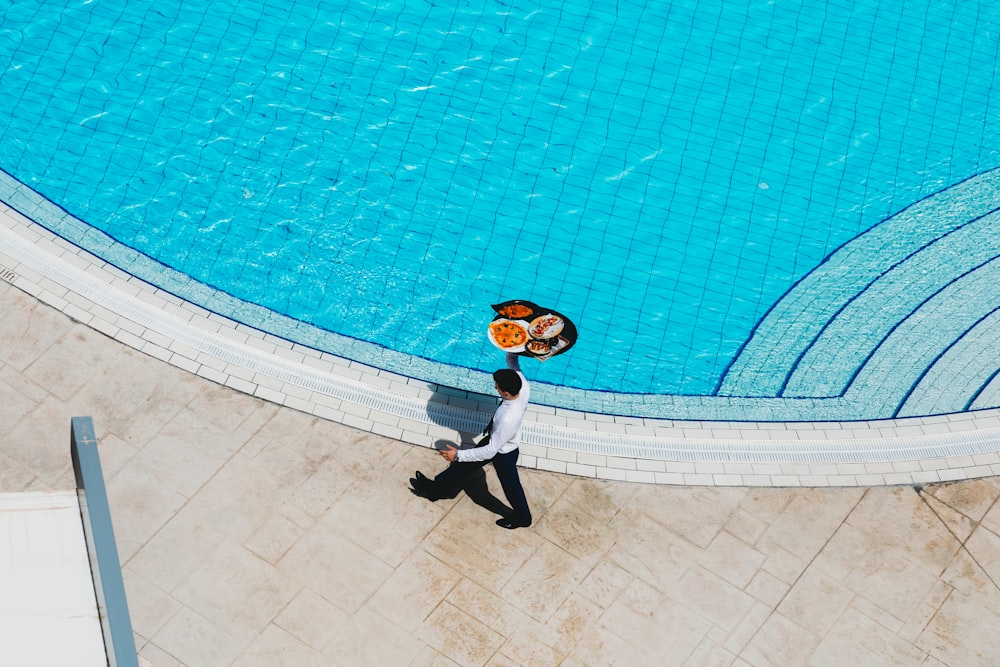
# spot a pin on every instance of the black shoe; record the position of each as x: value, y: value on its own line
x: 510, y: 525
x: 423, y: 494
x: 420, y: 492
x: 422, y: 487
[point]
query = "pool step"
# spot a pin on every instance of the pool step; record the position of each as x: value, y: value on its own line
x: 910, y: 314
x: 905, y: 303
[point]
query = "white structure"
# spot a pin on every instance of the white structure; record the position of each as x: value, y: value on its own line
x: 48, y: 610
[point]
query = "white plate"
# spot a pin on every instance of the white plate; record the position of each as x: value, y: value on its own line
x: 517, y: 348
x: 549, y: 330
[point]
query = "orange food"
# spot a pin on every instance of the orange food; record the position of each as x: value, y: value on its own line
x: 515, y: 311
x: 508, y: 334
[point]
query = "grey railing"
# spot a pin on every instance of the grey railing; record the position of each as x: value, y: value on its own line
x: 119, y: 643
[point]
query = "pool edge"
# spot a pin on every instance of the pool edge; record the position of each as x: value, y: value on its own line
x: 908, y: 451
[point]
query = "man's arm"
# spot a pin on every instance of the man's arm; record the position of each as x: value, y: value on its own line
x: 514, y: 362
x: 484, y: 453
x: 498, y: 436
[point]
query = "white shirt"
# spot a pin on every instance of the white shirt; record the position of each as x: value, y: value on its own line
x: 505, y: 436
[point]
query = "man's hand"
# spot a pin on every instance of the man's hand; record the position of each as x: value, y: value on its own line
x: 449, y: 453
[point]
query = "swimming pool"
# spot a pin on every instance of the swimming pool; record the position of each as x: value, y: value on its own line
x: 369, y: 178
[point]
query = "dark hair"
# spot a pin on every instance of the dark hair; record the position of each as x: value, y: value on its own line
x: 508, y: 380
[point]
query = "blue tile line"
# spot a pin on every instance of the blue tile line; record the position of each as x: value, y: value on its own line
x: 984, y: 387
x: 955, y: 381
x: 801, y: 374
x: 765, y: 338
x: 955, y: 374
x: 981, y: 273
x: 819, y: 374
x: 825, y: 284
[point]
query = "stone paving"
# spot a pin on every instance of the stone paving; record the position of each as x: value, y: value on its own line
x: 252, y: 534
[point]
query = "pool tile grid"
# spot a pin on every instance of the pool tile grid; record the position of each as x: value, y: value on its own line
x: 653, y: 451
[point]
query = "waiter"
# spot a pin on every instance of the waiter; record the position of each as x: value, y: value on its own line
x: 500, y: 446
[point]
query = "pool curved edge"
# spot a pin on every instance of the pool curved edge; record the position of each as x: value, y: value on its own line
x: 647, y: 450
x: 745, y: 394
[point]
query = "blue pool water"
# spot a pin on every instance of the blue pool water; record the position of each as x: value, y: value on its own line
x: 661, y: 172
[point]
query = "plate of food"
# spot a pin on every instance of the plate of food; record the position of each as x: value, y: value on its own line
x: 549, y: 325
x: 516, y: 310
x: 523, y: 327
x: 538, y: 348
x: 509, y: 335
x: 543, y: 349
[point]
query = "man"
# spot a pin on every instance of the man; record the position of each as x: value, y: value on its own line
x: 500, y: 447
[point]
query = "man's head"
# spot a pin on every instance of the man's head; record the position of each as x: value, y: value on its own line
x: 507, y: 382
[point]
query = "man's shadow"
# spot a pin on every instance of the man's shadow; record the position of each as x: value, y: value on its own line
x: 475, y: 485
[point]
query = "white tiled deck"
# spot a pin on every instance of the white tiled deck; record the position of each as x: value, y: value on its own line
x: 656, y: 451
x: 46, y: 590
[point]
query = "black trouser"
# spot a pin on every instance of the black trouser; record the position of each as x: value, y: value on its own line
x: 454, y: 477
